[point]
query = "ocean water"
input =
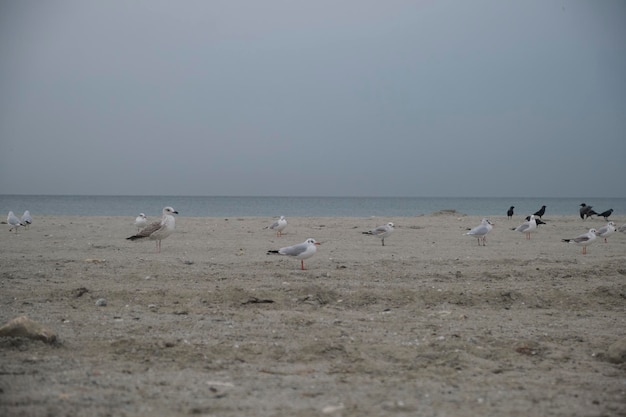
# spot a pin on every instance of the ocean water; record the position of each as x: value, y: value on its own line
x: 197, y: 206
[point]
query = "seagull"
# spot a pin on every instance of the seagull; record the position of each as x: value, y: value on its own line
x: 527, y: 227
x: 26, y: 218
x: 586, y: 211
x: 606, y: 231
x: 141, y: 221
x: 606, y: 214
x: 300, y: 251
x: 509, y: 212
x: 158, y: 230
x: 381, y: 231
x: 584, y: 240
x: 14, y: 222
x: 622, y: 228
x: 539, y: 213
x: 481, y: 231
x: 279, y: 225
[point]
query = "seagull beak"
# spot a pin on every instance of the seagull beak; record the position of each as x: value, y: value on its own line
x: 317, y: 243
x: 175, y: 212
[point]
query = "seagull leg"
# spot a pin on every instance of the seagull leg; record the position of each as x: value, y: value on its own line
x: 584, y: 250
x: 383, y: 239
x: 302, y: 264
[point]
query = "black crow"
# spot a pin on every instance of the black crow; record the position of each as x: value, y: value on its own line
x: 540, y: 212
x: 606, y: 214
x: 509, y: 213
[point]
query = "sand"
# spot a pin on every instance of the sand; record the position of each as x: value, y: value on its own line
x: 431, y: 324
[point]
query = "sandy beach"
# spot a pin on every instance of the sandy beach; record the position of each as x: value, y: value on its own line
x: 431, y: 324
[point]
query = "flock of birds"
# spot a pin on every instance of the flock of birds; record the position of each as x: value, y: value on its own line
x: 160, y: 230
x: 535, y: 219
x: 301, y: 251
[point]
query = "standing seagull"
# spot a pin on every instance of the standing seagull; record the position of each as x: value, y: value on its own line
x: 26, y: 219
x: 159, y: 230
x: 279, y: 225
x: 300, y: 251
x: 583, y: 240
x: 622, y: 228
x: 14, y: 222
x: 481, y: 231
x: 527, y: 227
x: 381, y: 231
x: 606, y: 214
x: 141, y: 221
x: 606, y: 231
x: 540, y: 212
x: 509, y: 212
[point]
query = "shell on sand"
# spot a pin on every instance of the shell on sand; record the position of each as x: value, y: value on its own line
x: 22, y: 326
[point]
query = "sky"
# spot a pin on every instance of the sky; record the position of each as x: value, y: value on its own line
x: 313, y: 98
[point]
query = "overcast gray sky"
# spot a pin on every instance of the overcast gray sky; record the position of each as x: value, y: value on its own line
x: 313, y: 98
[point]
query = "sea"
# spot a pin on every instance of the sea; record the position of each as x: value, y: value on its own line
x: 229, y: 206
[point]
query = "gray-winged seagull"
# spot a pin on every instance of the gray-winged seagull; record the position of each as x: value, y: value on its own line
x: 481, y: 231
x: 158, y: 230
x: 381, y: 231
x: 300, y: 251
x: 583, y: 240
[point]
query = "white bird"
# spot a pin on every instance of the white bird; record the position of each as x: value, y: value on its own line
x: 583, y: 240
x: 300, y: 251
x: 14, y: 222
x: 27, y: 219
x: 622, y: 228
x: 141, y: 221
x: 279, y: 225
x: 481, y: 231
x: 527, y: 227
x: 381, y: 231
x: 606, y: 231
x: 158, y: 230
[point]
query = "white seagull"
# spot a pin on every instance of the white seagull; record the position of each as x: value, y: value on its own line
x: 381, y: 231
x: 300, y: 251
x: 27, y: 219
x: 583, y: 240
x: 14, y: 222
x: 141, y: 221
x: 606, y: 231
x: 279, y: 225
x: 481, y: 231
x: 527, y: 227
x: 622, y: 228
x: 159, y: 230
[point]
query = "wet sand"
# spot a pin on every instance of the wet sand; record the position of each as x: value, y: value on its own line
x: 431, y: 324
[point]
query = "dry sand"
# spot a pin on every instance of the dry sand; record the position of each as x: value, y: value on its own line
x: 431, y: 324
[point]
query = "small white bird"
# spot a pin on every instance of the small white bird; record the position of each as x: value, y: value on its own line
x: 279, y: 225
x: 27, y: 219
x: 159, y: 230
x: 141, y: 221
x: 14, y: 222
x: 481, y: 231
x: 300, y: 251
x: 622, y: 228
x: 583, y: 240
x: 527, y: 227
x: 606, y: 231
x: 381, y: 231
